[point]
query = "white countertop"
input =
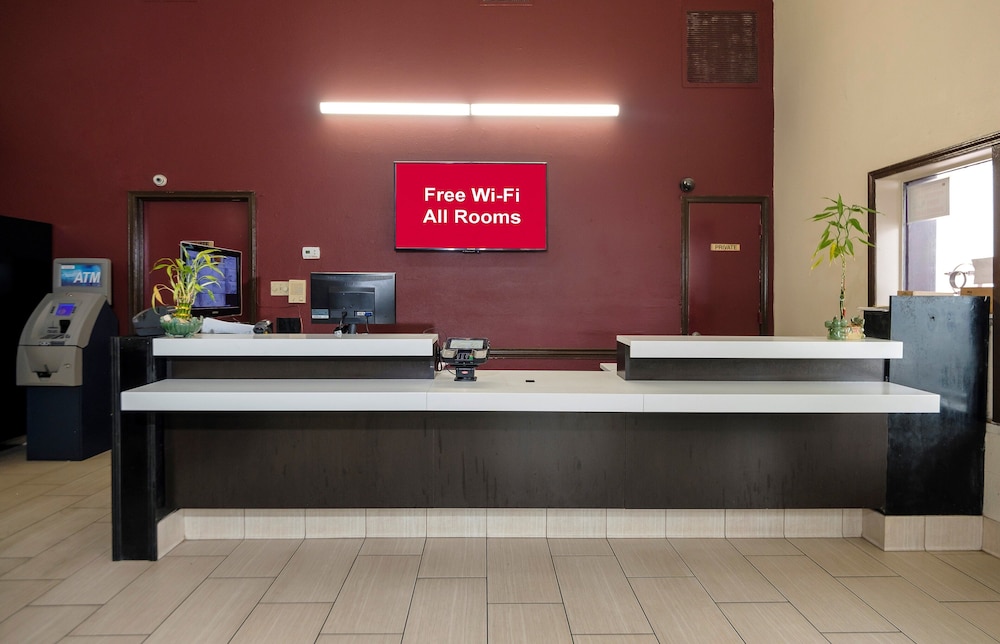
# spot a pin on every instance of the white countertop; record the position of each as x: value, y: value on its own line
x: 774, y: 347
x: 545, y: 391
x: 297, y: 345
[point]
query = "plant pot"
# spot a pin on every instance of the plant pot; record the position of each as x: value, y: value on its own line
x: 837, y: 328
x: 176, y: 327
x: 856, y: 331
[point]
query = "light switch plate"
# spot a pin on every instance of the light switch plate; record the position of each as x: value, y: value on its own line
x: 296, y: 291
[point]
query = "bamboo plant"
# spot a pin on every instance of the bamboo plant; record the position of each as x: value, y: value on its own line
x: 187, y: 276
x: 842, y: 230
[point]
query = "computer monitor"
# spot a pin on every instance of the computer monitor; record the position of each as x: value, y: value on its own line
x: 226, y: 299
x: 82, y: 275
x: 350, y: 299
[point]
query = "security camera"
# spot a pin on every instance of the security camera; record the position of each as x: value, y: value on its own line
x: 159, y: 180
x: 687, y: 184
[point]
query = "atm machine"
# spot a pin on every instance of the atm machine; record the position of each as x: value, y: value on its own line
x: 64, y: 360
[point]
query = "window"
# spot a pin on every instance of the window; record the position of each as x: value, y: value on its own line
x: 948, y: 232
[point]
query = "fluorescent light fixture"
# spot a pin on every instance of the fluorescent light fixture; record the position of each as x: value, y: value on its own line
x: 396, y: 109
x: 544, y: 109
x: 475, y: 109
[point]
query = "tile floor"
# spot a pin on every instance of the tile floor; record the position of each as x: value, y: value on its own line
x: 59, y: 584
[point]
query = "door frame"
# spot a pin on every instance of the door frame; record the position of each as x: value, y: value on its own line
x: 139, y: 266
x: 765, y: 326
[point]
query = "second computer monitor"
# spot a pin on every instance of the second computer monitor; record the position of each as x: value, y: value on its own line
x: 352, y: 299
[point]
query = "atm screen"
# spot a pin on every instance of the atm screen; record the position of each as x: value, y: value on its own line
x: 80, y: 275
x: 65, y: 309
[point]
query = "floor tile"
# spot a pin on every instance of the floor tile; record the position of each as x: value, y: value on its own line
x: 447, y: 611
x: 769, y: 623
x: 393, y: 546
x: 935, y: 577
x: 151, y: 598
x: 985, y: 615
x: 679, y: 610
x: 579, y: 547
x: 528, y: 624
x: 47, y: 532
x: 68, y: 556
x: 376, y: 596
x: 724, y: 572
x: 205, y: 548
x: 842, y: 557
x: 316, y: 572
x: 86, y: 485
x: 597, y: 597
x: 16, y: 594
x: 10, y: 563
x: 43, y: 623
x: 360, y: 639
x: 285, y: 623
x: 868, y: 638
x: 913, y: 612
x: 20, y: 494
x: 614, y: 639
x: 749, y: 547
x: 97, y: 582
x: 212, y: 613
x: 258, y: 558
x: 103, y: 639
x: 99, y: 499
x: 454, y: 557
x: 821, y: 599
x: 982, y: 567
x: 519, y: 571
x: 10, y: 480
x: 649, y: 558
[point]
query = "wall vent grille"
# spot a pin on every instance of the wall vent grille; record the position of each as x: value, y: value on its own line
x: 721, y: 48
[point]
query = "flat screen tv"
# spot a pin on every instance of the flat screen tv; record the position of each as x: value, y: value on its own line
x: 224, y: 299
x: 352, y: 299
x: 470, y: 206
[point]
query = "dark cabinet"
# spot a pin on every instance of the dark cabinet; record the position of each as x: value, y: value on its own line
x: 935, y: 461
x: 25, y: 278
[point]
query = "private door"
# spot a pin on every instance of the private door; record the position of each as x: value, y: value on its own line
x: 724, y: 272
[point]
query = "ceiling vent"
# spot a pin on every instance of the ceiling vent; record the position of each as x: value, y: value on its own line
x: 721, y: 48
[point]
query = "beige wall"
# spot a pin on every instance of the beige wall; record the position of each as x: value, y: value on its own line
x: 860, y: 85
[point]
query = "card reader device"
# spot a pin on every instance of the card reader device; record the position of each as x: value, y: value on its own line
x: 465, y: 354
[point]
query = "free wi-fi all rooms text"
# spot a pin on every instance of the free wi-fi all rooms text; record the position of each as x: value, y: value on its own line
x: 486, y: 196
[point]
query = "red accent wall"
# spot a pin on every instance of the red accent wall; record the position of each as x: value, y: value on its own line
x: 223, y: 95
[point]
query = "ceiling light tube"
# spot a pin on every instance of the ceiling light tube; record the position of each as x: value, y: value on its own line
x: 544, y: 109
x: 395, y: 109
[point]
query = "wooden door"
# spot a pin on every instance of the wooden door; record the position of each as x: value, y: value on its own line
x: 724, y: 269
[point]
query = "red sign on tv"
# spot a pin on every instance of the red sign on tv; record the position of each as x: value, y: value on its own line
x: 470, y: 206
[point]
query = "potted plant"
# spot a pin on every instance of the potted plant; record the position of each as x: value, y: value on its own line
x: 187, y: 276
x: 841, y: 231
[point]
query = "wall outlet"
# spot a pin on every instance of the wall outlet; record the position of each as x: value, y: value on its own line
x: 310, y: 252
x: 279, y: 288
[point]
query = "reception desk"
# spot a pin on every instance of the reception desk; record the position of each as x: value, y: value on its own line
x: 220, y: 423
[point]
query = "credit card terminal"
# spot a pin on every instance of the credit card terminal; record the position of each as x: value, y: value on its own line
x: 465, y: 354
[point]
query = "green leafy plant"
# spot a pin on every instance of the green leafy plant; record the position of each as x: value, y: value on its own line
x: 842, y: 230
x: 187, y: 276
